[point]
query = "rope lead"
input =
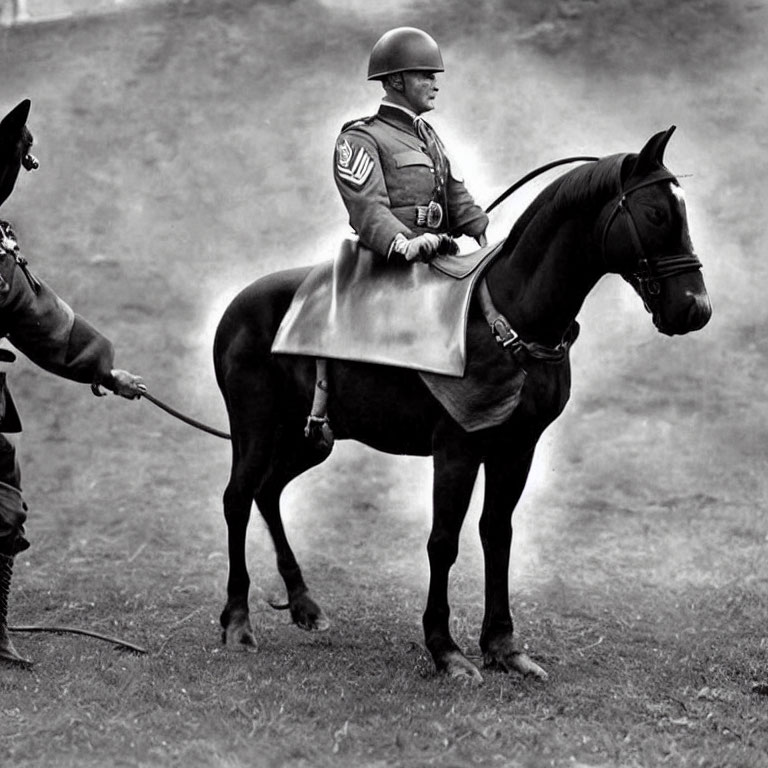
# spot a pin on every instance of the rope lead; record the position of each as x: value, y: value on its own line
x: 186, y: 419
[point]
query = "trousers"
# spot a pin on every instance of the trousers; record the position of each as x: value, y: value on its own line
x: 13, y: 509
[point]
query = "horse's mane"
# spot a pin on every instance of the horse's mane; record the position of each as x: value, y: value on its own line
x: 575, y: 189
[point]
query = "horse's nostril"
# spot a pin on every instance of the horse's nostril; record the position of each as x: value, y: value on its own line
x: 30, y: 162
x: 700, y: 313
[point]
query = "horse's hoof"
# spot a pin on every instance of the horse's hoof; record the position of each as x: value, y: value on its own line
x: 239, y: 640
x: 523, y: 664
x: 321, y: 624
x: 308, y: 615
x: 517, y: 662
x: 316, y: 623
x: 459, y: 667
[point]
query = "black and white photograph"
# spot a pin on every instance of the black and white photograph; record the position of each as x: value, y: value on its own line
x: 383, y: 384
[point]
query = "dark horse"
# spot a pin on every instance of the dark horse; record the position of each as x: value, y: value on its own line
x: 623, y: 214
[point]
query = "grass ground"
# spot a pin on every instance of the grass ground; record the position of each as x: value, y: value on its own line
x: 185, y: 151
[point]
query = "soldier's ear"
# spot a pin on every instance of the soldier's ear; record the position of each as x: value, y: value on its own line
x: 12, y: 125
x: 395, y: 81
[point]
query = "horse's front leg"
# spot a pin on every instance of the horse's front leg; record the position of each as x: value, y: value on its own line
x: 455, y: 470
x: 505, y: 479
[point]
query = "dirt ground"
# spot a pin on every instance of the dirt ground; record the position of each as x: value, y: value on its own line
x: 185, y: 150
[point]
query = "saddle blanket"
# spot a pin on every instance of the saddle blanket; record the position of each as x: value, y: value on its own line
x: 359, y: 307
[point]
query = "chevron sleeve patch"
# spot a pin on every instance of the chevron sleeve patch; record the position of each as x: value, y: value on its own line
x: 354, y: 165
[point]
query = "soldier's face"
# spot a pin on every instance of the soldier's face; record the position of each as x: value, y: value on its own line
x: 420, y: 90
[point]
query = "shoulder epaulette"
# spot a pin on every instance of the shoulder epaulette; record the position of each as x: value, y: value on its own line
x: 359, y: 121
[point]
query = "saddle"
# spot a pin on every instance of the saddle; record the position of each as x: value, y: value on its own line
x: 359, y: 307
x: 414, y: 316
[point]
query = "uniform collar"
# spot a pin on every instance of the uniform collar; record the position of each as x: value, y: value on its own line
x: 394, y: 114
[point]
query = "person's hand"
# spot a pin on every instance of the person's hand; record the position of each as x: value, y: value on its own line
x: 127, y: 385
x: 123, y: 383
x: 419, y: 248
x: 482, y: 240
x: 448, y: 246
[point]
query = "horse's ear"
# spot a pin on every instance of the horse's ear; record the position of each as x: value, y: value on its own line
x: 651, y: 156
x: 13, y: 123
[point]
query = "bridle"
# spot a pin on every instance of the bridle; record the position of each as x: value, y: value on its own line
x: 646, y: 277
x: 648, y: 273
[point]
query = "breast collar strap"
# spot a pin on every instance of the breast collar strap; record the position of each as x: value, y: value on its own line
x: 508, y: 338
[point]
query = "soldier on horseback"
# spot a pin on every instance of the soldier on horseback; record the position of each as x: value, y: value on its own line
x: 37, y: 322
x: 404, y: 197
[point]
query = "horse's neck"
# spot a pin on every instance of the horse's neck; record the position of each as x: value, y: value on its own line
x: 541, y: 284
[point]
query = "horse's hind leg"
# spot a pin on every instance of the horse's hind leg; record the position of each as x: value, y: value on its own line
x: 293, y: 457
x: 260, y: 471
x: 238, y: 498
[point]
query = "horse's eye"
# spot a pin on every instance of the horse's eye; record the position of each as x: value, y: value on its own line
x: 657, y: 216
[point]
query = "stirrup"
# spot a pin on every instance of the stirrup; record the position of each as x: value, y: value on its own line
x: 318, y: 430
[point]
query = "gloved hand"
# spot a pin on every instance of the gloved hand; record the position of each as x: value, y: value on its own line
x: 419, y: 248
x: 448, y: 246
x: 123, y: 383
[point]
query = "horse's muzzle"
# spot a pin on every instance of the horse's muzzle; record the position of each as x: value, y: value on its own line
x: 692, y: 314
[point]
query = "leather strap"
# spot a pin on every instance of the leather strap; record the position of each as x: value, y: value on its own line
x: 508, y: 338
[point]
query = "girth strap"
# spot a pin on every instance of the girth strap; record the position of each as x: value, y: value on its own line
x: 508, y: 338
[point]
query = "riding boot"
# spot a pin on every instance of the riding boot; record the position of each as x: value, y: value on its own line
x: 318, y: 428
x: 7, y: 651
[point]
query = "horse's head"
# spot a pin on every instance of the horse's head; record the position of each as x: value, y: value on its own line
x: 644, y: 236
x: 15, y: 143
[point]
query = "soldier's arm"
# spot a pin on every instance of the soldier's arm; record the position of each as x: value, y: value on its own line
x: 51, y: 335
x: 465, y: 215
x: 360, y: 181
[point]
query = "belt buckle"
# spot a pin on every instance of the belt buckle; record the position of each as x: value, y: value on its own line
x: 430, y: 216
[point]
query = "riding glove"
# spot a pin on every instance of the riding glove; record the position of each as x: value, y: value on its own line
x: 423, y: 247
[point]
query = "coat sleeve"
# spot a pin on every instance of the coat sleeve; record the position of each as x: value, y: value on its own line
x: 465, y: 215
x: 51, y: 335
x: 360, y: 180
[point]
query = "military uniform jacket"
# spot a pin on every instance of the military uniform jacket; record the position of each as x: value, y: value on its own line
x: 42, y: 326
x: 396, y: 178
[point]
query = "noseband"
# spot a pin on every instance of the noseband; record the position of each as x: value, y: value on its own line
x: 648, y: 272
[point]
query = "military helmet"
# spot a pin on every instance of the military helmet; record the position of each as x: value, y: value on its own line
x: 402, y: 49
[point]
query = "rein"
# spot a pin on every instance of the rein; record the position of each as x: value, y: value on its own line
x: 502, y: 331
x: 537, y: 172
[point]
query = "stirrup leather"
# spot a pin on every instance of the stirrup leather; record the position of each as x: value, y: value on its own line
x: 318, y: 428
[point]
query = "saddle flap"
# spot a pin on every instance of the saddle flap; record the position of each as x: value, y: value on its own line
x: 359, y: 307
